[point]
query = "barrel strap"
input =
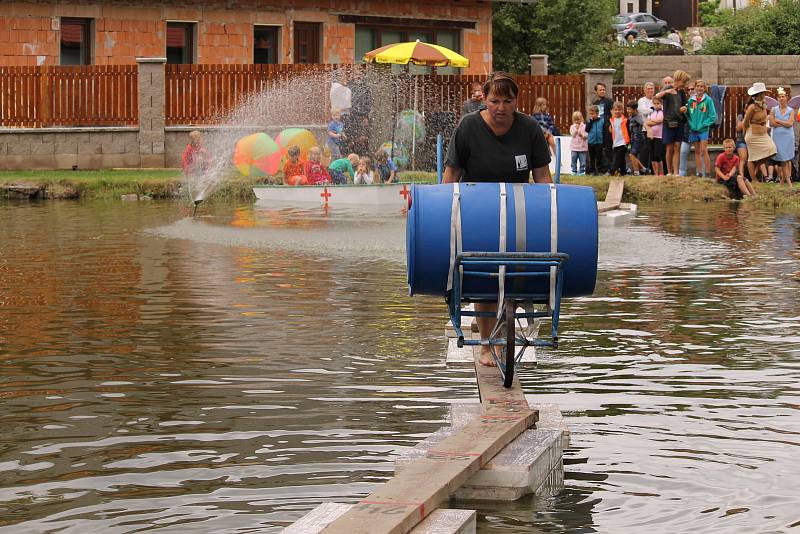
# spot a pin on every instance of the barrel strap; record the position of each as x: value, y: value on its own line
x: 455, y: 233
x: 553, y: 242
x: 521, y: 225
x: 501, y: 274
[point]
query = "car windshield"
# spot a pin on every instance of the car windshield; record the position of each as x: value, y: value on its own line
x: 620, y: 19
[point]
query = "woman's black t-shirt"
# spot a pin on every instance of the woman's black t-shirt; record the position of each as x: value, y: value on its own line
x: 486, y: 157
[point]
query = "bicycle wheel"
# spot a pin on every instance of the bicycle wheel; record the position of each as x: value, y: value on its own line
x: 508, y: 375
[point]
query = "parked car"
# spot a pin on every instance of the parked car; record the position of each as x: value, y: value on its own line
x: 632, y: 23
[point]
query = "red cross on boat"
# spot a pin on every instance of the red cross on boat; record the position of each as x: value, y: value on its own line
x: 325, y: 195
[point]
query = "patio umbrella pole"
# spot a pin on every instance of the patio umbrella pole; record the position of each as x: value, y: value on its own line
x: 414, y: 129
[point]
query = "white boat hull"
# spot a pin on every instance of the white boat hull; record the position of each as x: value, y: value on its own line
x: 332, y: 195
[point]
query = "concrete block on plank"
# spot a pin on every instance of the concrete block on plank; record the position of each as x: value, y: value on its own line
x: 615, y: 218
x: 519, y: 469
x: 440, y: 521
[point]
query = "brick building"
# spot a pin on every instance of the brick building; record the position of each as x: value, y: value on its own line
x: 236, y: 31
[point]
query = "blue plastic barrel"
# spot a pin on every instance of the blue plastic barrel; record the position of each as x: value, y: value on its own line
x: 428, y: 233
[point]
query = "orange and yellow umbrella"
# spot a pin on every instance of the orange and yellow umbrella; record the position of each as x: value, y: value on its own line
x: 418, y: 53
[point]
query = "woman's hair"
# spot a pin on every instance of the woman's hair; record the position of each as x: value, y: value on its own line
x: 649, y: 84
x: 293, y: 151
x: 381, y: 155
x: 539, y: 105
x: 680, y: 75
x: 501, y: 84
x: 577, y: 115
x: 366, y: 161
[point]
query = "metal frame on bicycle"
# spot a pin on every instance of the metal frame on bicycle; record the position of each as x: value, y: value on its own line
x: 508, y: 268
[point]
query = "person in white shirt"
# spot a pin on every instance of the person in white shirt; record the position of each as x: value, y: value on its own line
x: 364, y: 174
x: 697, y: 42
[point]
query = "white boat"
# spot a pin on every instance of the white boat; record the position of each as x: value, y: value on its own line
x: 396, y: 194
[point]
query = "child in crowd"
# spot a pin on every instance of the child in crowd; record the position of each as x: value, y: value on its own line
x: 293, y: 169
x: 701, y: 115
x: 314, y: 171
x: 364, y: 174
x: 655, y: 123
x: 620, y: 138
x: 636, y: 136
x: 335, y: 135
x: 387, y: 170
x: 195, y: 158
x: 595, y: 129
x: 339, y: 167
x: 726, y: 168
x: 545, y: 120
x: 579, y: 144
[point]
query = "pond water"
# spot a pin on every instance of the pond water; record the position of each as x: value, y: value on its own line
x: 230, y: 372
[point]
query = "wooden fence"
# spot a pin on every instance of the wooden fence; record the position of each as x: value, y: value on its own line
x: 92, y: 95
x: 107, y: 95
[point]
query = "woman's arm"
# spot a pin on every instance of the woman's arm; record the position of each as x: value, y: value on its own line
x: 541, y: 175
x: 452, y: 174
x: 748, y: 114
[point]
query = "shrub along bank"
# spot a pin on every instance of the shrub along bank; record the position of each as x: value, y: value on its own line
x: 167, y: 184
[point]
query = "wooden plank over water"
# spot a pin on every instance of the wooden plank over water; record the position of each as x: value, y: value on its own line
x: 404, y: 501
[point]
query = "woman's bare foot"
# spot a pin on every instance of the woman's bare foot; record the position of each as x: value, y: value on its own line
x: 486, y: 357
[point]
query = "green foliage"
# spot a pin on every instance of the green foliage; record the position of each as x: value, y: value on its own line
x: 566, y: 30
x: 710, y: 14
x: 765, y: 30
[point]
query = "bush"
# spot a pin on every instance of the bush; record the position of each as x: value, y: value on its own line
x: 765, y: 30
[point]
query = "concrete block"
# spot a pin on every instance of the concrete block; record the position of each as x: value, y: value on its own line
x: 151, y: 161
x: 614, y: 218
x: 519, y: 469
x: 42, y: 149
x: 66, y: 161
x: 112, y: 161
x: 89, y: 148
x: 90, y: 161
x: 130, y: 159
x: 440, y: 521
x: 20, y: 148
x: 66, y: 147
x: 158, y: 147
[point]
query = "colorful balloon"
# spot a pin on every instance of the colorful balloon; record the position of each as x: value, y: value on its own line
x: 299, y: 137
x: 258, y: 155
x: 399, y: 155
x: 410, y: 127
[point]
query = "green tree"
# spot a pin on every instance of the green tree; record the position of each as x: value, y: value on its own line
x: 764, y: 30
x: 568, y: 31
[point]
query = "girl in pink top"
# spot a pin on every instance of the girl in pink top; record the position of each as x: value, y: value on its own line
x: 655, y: 125
x: 579, y: 144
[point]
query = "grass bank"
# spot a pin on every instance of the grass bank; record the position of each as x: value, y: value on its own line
x: 166, y: 184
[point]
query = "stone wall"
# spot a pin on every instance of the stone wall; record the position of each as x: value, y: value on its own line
x: 724, y: 70
x: 65, y: 148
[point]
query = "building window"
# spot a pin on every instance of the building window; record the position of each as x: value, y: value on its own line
x: 180, y: 42
x: 265, y: 44
x: 371, y: 37
x: 76, y: 41
x: 307, y: 42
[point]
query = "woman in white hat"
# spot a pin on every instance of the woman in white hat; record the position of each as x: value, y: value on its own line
x: 760, y: 146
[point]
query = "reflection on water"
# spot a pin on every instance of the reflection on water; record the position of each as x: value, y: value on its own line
x: 229, y: 372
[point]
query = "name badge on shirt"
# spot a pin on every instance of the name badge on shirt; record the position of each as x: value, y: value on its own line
x: 522, y: 162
